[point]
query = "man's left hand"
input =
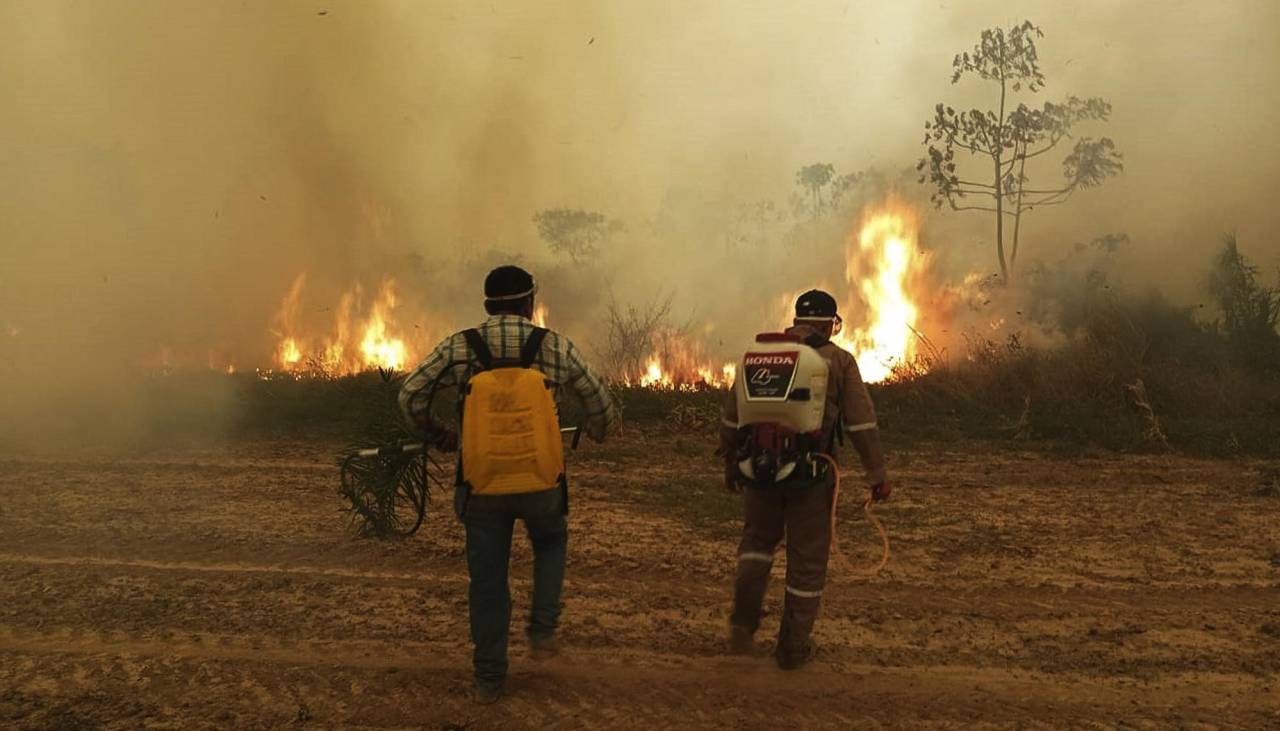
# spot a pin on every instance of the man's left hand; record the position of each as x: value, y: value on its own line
x: 731, y: 478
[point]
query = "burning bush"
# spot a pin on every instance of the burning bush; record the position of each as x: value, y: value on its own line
x: 631, y: 334
x: 643, y: 349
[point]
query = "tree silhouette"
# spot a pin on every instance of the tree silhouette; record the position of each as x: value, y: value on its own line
x: 574, y: 232
x: 823, y: 187
x: 1001, y: 141
x: 814, y: 178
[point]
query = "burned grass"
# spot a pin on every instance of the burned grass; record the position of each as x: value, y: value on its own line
x: 675, y: 475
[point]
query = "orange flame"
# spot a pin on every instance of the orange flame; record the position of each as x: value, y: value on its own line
x: 884, y: 268
x: 289, y: 352
x: 355, y: 344
x: 885, y: 275
x: 680, y: 364
x: 379, y: 349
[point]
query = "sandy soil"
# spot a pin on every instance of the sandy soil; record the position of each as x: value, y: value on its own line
x: 218, y: 589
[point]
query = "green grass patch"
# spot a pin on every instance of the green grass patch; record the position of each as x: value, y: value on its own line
x: 699, y: 501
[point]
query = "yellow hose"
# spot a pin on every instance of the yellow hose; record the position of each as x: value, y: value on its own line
x: 866, y: 508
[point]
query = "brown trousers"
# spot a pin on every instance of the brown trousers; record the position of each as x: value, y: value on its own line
x: 803, y: 516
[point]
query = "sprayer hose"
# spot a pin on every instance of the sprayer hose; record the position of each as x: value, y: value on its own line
x: 866, y: 509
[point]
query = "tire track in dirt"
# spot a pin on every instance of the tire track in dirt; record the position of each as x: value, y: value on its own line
x: 1131, y: 634
x: 1008, y: 599
x: 216, y: 567
x: 608, y: 688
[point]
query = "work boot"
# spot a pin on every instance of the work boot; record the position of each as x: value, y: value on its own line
x: 543, y: 648
x: 790, y: 660
x: 488, y: 693
x: 741, y: 640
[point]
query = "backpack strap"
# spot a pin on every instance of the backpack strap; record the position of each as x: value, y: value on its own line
x: 816, y: 341
x: 479, y: 348
x: 836, y: 436
x: 532, y: 347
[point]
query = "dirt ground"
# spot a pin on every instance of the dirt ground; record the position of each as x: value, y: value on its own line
x: 216, y: 588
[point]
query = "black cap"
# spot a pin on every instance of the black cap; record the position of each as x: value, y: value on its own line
x: 816, y: 303
x: 508, y: 283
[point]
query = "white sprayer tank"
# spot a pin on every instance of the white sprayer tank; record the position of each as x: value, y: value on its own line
x: 784, y: 382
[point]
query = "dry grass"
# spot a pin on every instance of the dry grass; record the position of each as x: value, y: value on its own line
x: 1139, y: 376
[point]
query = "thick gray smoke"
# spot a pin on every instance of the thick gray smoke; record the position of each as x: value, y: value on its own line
x: 170, y: 168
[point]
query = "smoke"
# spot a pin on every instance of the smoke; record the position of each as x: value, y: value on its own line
x: 169, y: 169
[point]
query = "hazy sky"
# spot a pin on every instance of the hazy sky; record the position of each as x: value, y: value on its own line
x: 169, y: 167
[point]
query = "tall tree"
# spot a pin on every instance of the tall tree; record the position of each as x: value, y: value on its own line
x: 813, y: 178
x: 824, y: 187
x: 574, y: 232
x: 1000, y: 142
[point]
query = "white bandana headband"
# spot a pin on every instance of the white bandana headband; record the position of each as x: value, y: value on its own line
x: 509, y: 297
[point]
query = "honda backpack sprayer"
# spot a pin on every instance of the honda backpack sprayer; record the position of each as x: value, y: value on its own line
x: 781, y: 396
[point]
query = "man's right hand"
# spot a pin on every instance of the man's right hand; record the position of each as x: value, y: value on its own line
x: 880, y: 492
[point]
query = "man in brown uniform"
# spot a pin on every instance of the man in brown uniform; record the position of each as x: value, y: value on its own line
x: 800, y: 513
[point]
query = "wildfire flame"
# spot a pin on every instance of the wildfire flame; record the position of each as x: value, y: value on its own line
x: 885, y: 277
x: 379, y: 349
x: 884, y: 268
x: 884, y: 294
x: 289, y: 352
x: 885, y: 273
x: 680, y: 364
x: 356, y: 343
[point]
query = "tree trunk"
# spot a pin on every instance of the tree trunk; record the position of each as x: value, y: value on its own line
x: 1017, y: 210
x: 998, y: 147
x: 1004, y: 268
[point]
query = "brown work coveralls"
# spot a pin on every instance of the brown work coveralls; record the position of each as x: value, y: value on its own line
x: 801, y: 514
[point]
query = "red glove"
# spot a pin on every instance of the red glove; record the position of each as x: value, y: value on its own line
x: 880, y: 492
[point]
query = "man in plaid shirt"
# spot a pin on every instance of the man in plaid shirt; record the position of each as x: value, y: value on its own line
x: 490, y: 519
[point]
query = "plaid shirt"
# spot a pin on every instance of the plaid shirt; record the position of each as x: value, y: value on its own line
x: 453, y: 363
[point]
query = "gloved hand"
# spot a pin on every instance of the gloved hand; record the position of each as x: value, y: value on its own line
x: 731, y: 475
x: 880, y: 492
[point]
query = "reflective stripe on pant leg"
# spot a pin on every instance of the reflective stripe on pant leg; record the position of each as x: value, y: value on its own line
x: 762, y: 530
x: 808, y: 519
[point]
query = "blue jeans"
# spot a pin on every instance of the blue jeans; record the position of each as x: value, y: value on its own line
x: 489, y: 522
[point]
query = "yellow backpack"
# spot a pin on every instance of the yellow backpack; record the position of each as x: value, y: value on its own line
x: 510, y: 428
